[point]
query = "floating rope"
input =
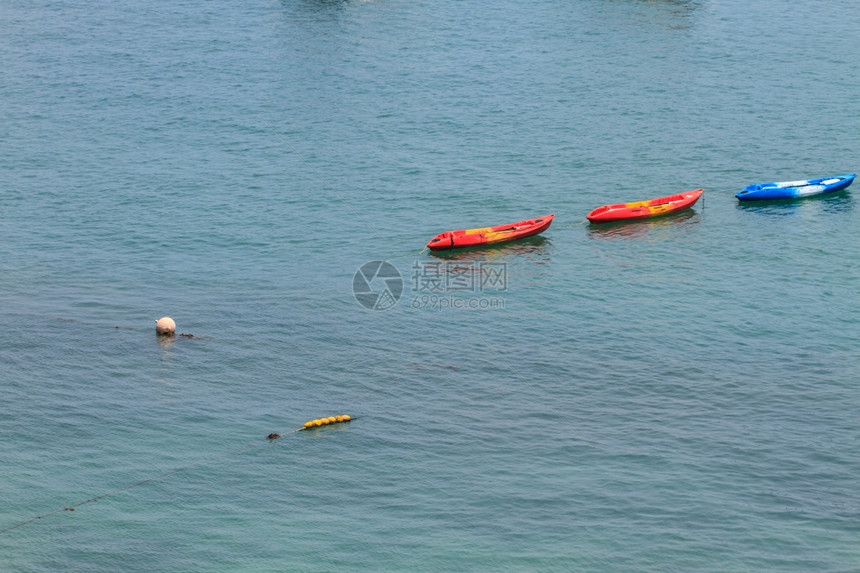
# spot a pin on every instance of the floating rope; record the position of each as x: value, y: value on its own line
x: 310, y: 425
x: 409, y: 254
x: 138, y: 484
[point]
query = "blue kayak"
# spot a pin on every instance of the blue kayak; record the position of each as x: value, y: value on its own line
x: 795, y: 189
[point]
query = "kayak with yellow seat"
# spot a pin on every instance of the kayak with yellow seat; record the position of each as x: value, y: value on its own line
x: 645, y: 209
x: 489, y: 235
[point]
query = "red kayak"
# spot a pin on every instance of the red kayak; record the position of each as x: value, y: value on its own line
x: 645, y: 209
x: 489, y: 235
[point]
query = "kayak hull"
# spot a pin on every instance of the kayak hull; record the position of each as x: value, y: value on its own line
x: 489, y: 235
x: 645, y: 209
x: 795, y: 189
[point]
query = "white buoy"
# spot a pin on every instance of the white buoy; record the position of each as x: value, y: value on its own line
x: 165, y: 325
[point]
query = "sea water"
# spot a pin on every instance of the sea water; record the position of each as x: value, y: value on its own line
x: 673, y: 395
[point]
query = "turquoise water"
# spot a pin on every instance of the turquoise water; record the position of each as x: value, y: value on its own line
x: 673, y: 395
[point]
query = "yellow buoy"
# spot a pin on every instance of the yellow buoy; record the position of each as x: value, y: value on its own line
x: 325, y: 421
